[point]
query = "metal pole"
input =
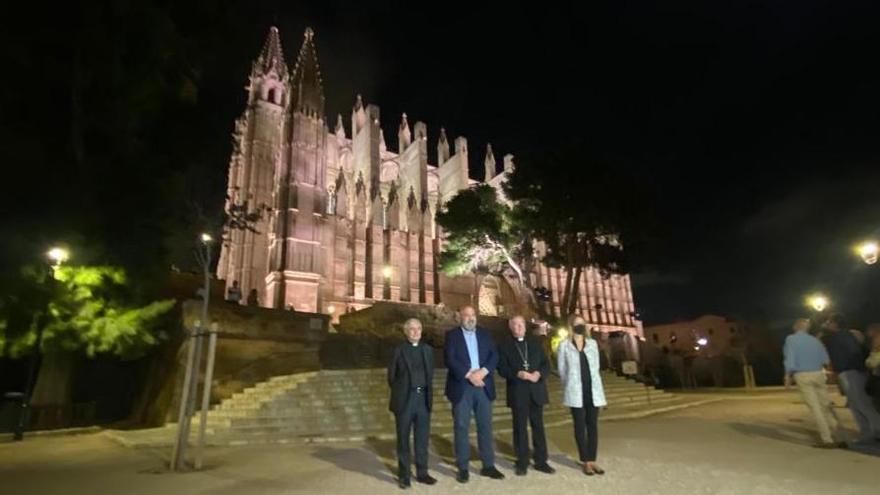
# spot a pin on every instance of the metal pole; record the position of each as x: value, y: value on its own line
x: 179, y: 452
x: 190, y: 382
x: 206, y: 396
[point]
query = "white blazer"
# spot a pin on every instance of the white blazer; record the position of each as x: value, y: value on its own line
x: 569, y: 364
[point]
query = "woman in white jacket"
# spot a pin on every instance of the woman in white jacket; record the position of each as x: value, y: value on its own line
x: 578, y: 360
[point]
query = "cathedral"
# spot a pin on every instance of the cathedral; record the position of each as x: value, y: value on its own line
x: 349, y: 220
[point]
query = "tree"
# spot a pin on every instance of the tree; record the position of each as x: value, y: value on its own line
x: 581, y: 210
x: 481, y: 236
x: 90, y: 309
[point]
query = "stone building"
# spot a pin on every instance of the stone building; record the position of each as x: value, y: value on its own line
x: 351, y: 219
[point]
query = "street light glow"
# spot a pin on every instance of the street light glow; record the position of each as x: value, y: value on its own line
x: 58, y: 255
x: 386, y: 271
x: 331, y: 309
x: 818, y: 302
x: 206, y: 238
x: 702, y: 341
x: 562, y: 332
x: 869, y: 251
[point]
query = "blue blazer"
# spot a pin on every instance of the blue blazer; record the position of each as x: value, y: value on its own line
x: 458, y: 362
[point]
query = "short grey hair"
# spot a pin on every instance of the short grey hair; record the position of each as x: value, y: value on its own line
x: 410, y: 321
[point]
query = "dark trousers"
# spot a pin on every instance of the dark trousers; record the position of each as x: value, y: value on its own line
x: 415, y: 419
x: 586, y: 431
x: 474, y: 401
x: 523, y: 415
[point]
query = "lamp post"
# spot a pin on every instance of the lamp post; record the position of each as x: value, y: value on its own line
x: 193, y: 362
x: 818, y: 302
x: 57, y: 256
x: 869, y: 251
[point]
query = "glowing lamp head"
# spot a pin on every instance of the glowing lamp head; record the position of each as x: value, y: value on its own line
x: 331, y: 309
x: 58, y: 255
x: 702, y: 341
x: 869, y: 252
x: 206, y: 238
x: 386, y: 271
x: 818, y: 302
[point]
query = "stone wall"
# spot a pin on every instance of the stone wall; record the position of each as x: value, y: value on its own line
x: 253, y: 344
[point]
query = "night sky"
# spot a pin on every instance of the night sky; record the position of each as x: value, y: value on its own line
x: 756, y: 126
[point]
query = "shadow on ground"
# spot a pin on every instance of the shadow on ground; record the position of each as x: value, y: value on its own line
x: 352, y: 459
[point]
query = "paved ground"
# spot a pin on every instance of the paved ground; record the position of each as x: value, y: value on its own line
x: 756, y: 446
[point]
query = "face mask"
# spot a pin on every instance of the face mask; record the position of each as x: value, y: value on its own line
x: 580, y: 329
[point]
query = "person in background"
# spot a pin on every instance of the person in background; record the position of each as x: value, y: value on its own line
x: 233, y: 293
x: 253, y: 298
x: 848, y: 354
x: 873, y: 364
x: 582, y: 391
x: 805, y: 360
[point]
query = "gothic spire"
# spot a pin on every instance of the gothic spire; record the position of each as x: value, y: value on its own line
x: 308, y: 90
x: 442, y: 148
x: 404, y: 135
x: 340, y: 130
x: 490, y: 163
x: 271, y: 58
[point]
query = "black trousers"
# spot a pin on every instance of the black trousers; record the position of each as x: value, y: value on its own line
x: 523, y: 416
x: 586, y: 430
x: 415, y: 419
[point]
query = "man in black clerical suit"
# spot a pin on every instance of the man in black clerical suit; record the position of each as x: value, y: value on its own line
x: 523, y: 363
x: 409, y: 376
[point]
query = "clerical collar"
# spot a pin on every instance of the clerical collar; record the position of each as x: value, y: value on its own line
x: 414, y: 344
x: 520, y: 339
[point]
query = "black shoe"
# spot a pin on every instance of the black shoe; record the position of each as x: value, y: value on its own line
x: 463, y: 476
x: 521, y: 470
x: 492, y: 472
x: 425, y: 479
x: 403, y: 483
x: 545, y: 468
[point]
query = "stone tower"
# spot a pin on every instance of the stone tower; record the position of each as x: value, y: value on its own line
x: 255, y: 160
x: 295, y: 256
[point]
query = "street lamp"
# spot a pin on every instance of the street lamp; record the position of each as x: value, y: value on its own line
x: 818, y: 302
x: 58, y: 255
x: 869, y: 251
x: 386, y: 271
x: 702, y: 341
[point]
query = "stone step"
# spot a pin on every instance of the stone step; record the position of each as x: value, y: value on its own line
x: 382, y: 423
x: 314, y: 389
x: 356, y: 408
x: 382, y: 402
x: 335, y: 421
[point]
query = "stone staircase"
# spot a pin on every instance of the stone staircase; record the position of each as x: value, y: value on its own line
x: 353, y: 404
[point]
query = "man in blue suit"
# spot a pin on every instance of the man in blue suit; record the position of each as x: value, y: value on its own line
x: 471, y: 359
